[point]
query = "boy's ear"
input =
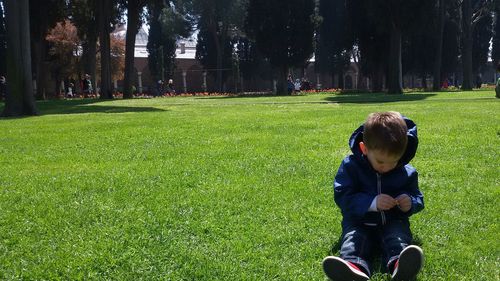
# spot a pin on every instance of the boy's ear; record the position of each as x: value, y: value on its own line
x: 362, y: 146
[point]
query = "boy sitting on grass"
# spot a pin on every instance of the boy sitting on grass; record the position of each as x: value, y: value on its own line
x: 377, y: 190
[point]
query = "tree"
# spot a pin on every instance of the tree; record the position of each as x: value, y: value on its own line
x: 117, y: 63
x: 334, y: 41
x: 438, y: 54
x: 167, y: 23
x: 283, y: 31
x: 451, y: 49
x: 134, y: 9
x: 117, y: 58
x: 371, y: 44
x: 419, y: 44
x: 43, y: 16
x: 481, y: 38
x: 472, y: 12
x: 64, y: 42
x: 251, y: 62
x: 83, y: 16
x: 104, y: 22
x: 215, y: 52
x: 19, y: 100
x: 3, y: 42
x: 495, y: 52
x: 219, y: 22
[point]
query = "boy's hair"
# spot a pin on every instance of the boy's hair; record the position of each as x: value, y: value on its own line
x: 386, y: 131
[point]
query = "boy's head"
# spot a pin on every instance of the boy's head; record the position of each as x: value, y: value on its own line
x: 384, y: 140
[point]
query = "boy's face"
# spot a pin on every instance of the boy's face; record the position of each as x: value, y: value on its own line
x: 380, y: 160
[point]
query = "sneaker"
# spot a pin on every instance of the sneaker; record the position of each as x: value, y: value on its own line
x: 409, y: 264
x: 338, y: 269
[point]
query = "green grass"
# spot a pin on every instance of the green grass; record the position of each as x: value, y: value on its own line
x: 202, y: 188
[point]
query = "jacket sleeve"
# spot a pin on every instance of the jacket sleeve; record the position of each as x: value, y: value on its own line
x: 352, y: 201
x: 417, y: 198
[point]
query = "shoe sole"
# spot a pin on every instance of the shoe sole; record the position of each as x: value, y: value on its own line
x: 339, y: 270
x: 410, y: 263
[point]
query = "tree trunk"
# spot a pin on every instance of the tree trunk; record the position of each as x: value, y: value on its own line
x: 438, y: 55
x: 132, y: 29
x: 282, y: 82
x: 39, y: 49
x: 467, y: 45
x: 217, y: 37
x: 104, y: 40
x: 395, y: 81
x: 378, y: 79
x: 424, y: 80
x: 91, y: 62
x: 340, y: 73
x: 20, y: 99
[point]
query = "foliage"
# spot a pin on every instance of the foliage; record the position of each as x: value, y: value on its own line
x: 419, y: 43
x: 117, y: 62
x: 495, y: 52
x: 3, y: 42
x: 206, y: 50
x: 481, y: 36
x: 64, y: 42
x: 167, y: 25
x: 220, y: 24
x: 117, y: 58
x: 251, y: 62
x: 451, y: 48
x: 334, y: 40
x: 283, y: 32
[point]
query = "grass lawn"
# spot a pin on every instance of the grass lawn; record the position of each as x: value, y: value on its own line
x: 218, y: 188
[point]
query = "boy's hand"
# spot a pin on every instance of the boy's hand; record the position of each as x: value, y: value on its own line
x: 404, y: 202
x: 385, y: 202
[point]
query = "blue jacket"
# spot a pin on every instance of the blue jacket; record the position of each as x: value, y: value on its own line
x: 357, y: 183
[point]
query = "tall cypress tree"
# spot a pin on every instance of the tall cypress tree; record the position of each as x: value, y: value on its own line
x: 481, y: 37
x: 19, y: 100
x: 334, y: 39
x: 283, y: 31
x: 167, y: 25
x: 3, y: 42
x: 495, y: 53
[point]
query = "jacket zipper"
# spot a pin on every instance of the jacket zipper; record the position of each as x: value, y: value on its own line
x: 379, y: 188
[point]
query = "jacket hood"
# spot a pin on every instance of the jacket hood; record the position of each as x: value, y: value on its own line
x: 411, y: 149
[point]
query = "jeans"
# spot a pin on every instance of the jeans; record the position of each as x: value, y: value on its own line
x: 360, y: 242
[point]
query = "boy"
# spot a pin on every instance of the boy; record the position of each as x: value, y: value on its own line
x: 377, y: 190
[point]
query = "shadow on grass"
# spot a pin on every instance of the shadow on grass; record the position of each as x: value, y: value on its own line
x: 377, y: 97
x: 344, y: 97
x: 262, y: 95
x: 83, y: 106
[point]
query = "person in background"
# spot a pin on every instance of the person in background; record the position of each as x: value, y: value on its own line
x: 289, y: 85
x: 69, y: 93
x: 170, y: 87
x: 87, y: 86
x: 159, y: 88
x: 297, y: 85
